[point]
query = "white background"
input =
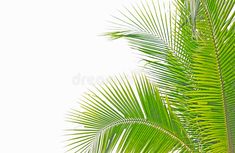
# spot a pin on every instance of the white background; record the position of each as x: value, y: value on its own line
x: 50, y: 53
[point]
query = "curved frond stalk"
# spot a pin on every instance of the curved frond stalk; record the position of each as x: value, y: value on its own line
x: 127, y: 116
x: 146, y: 123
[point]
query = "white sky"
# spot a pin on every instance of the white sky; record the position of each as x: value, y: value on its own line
x: 50, y: 53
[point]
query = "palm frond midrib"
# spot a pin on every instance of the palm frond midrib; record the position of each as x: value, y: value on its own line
x: 143, y: 122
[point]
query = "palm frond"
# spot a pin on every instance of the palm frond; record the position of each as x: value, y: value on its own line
x: 167, y: 52
x: 214, y: 75
x: 189, y: 53
x: 127, y: 116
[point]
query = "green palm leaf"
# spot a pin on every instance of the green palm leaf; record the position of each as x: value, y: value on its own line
x: 125, y: 116
x: 214, y: 75
x: 168, y: 54
x: 190, y: 56
x: 189, y: 105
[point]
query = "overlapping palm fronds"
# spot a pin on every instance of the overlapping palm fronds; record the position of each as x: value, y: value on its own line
x: 189, y: 50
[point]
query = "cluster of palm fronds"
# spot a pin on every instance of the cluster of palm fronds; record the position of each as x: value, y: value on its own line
x: 187, y: 104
